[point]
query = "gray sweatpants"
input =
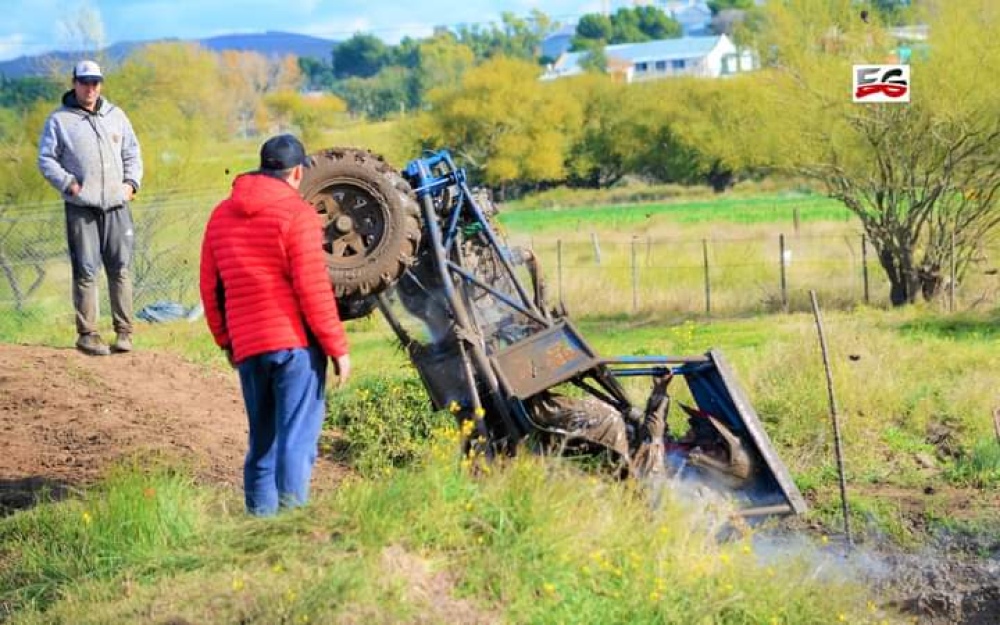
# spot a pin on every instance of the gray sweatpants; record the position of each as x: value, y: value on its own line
x: 101, y: 238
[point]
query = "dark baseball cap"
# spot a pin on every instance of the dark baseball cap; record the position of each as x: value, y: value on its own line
x: 282, y: 152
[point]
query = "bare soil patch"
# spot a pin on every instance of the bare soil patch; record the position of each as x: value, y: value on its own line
x: 65, y: 418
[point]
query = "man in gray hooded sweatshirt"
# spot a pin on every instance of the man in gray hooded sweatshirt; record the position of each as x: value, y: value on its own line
x: 90, y: 154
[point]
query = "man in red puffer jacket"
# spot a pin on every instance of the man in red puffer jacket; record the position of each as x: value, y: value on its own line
x: 270, y: 306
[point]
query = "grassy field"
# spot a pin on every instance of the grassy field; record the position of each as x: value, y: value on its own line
x: 542, y: 541
x: 768, y: 209
x: 536, y: 541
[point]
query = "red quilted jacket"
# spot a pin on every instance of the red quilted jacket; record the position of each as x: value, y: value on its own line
x: 263, y: 272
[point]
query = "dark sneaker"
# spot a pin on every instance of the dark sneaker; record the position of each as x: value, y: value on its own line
x: 122, y: 344
x: 92, y: 345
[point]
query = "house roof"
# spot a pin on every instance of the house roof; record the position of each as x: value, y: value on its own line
x: 659, y: 50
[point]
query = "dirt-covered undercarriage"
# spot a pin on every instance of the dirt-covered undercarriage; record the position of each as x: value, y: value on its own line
x: 473, y: 315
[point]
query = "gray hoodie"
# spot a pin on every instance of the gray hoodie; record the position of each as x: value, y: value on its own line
x: 98, y: 150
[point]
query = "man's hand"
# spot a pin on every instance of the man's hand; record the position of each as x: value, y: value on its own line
x: 74, y: 189
x: 342, y: 367
x: 127, y: 191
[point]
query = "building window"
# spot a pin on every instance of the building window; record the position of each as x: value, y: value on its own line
x: 641, y: 67
x: 661, y: 66
x: 677, y: 64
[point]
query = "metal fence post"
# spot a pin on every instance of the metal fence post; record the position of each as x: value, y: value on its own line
x: 597, y: 247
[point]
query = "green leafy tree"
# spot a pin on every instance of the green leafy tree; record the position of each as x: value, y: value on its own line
x: 595, y: 27
x: 656, y: 24
x: 308, y: 115
x: 515, y: 37
x: 920, y: 175
x: 388, y: 93
x: 626, y: 25
x: 611, y: 139
x: 892, y: 11
x: 316, y: 73
x: 594, y: 60
x: 441, y: 63
x: 626, y: 28
x: 512, y: 129
x: 21, y: 93
x: 361, y: 56
x: 718, y: 6
x: 703, y: 130
x: 407, y: 53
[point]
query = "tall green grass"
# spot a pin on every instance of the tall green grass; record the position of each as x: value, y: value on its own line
x: 531, y: 542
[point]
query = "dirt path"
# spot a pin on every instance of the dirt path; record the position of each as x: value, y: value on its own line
x: 65, y: 418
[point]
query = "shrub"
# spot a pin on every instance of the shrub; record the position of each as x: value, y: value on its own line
x: 385, y: 421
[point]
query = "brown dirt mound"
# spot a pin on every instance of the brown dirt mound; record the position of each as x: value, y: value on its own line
x: 65, y: 418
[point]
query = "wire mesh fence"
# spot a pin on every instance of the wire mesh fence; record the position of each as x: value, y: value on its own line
x: 35, y: 272
x: 591, y: 273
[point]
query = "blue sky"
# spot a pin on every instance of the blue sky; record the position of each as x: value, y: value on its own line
x: 31, y: 27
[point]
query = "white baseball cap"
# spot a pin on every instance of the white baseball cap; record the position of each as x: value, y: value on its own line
x: 87, y: 70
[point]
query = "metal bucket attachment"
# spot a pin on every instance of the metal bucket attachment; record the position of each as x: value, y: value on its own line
x: 725, y: 446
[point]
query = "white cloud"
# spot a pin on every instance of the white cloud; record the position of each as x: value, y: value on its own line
x: 12, y: 46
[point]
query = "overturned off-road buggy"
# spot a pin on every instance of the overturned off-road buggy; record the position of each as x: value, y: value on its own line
x: 421, y: 246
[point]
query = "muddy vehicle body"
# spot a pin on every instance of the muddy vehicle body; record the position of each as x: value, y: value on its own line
x: 422, y: 247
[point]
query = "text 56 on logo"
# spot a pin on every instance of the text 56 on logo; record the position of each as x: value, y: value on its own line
x: 881, y: 83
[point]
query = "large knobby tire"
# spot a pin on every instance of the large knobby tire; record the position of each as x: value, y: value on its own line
x: 371, y: 222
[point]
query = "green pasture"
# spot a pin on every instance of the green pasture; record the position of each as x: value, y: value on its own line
x: 768, y: 209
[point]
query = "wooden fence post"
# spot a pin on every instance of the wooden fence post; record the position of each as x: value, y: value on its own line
x: 708, y: 282
x: 951, y: 276
x: 559, y: 268
x: 864, y: 264
x: 635, y: 278
x: 784, y: 280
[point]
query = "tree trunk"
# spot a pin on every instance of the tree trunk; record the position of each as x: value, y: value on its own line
x: 898, y: 270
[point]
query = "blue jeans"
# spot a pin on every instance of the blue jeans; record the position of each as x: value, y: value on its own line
x: 284, y: 393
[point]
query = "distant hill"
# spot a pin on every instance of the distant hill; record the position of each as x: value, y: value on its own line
x: 271, y: 43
